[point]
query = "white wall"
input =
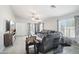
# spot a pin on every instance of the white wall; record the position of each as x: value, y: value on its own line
x: 5, y: 14
x: 50, y: 24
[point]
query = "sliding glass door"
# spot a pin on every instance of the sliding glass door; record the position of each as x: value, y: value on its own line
x: 67, y: 27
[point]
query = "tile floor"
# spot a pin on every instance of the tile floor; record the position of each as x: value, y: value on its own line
x: 19, y: 48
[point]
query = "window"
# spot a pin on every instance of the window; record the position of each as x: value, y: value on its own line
x: 67, y: 27
x: 33, y: 28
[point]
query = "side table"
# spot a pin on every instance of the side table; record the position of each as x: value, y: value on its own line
x: 32, y: 41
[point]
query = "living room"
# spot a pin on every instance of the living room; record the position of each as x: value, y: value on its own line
x: 45, y: 22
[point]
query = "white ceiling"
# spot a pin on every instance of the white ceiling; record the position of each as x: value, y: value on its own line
x: 25, y: 11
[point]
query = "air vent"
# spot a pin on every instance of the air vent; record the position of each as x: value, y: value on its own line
x: 53, y: 6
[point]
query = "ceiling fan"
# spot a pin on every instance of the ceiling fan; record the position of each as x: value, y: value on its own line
x: 35, y: 16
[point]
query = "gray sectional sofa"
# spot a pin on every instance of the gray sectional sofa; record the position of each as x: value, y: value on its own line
x: 50, y: 40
